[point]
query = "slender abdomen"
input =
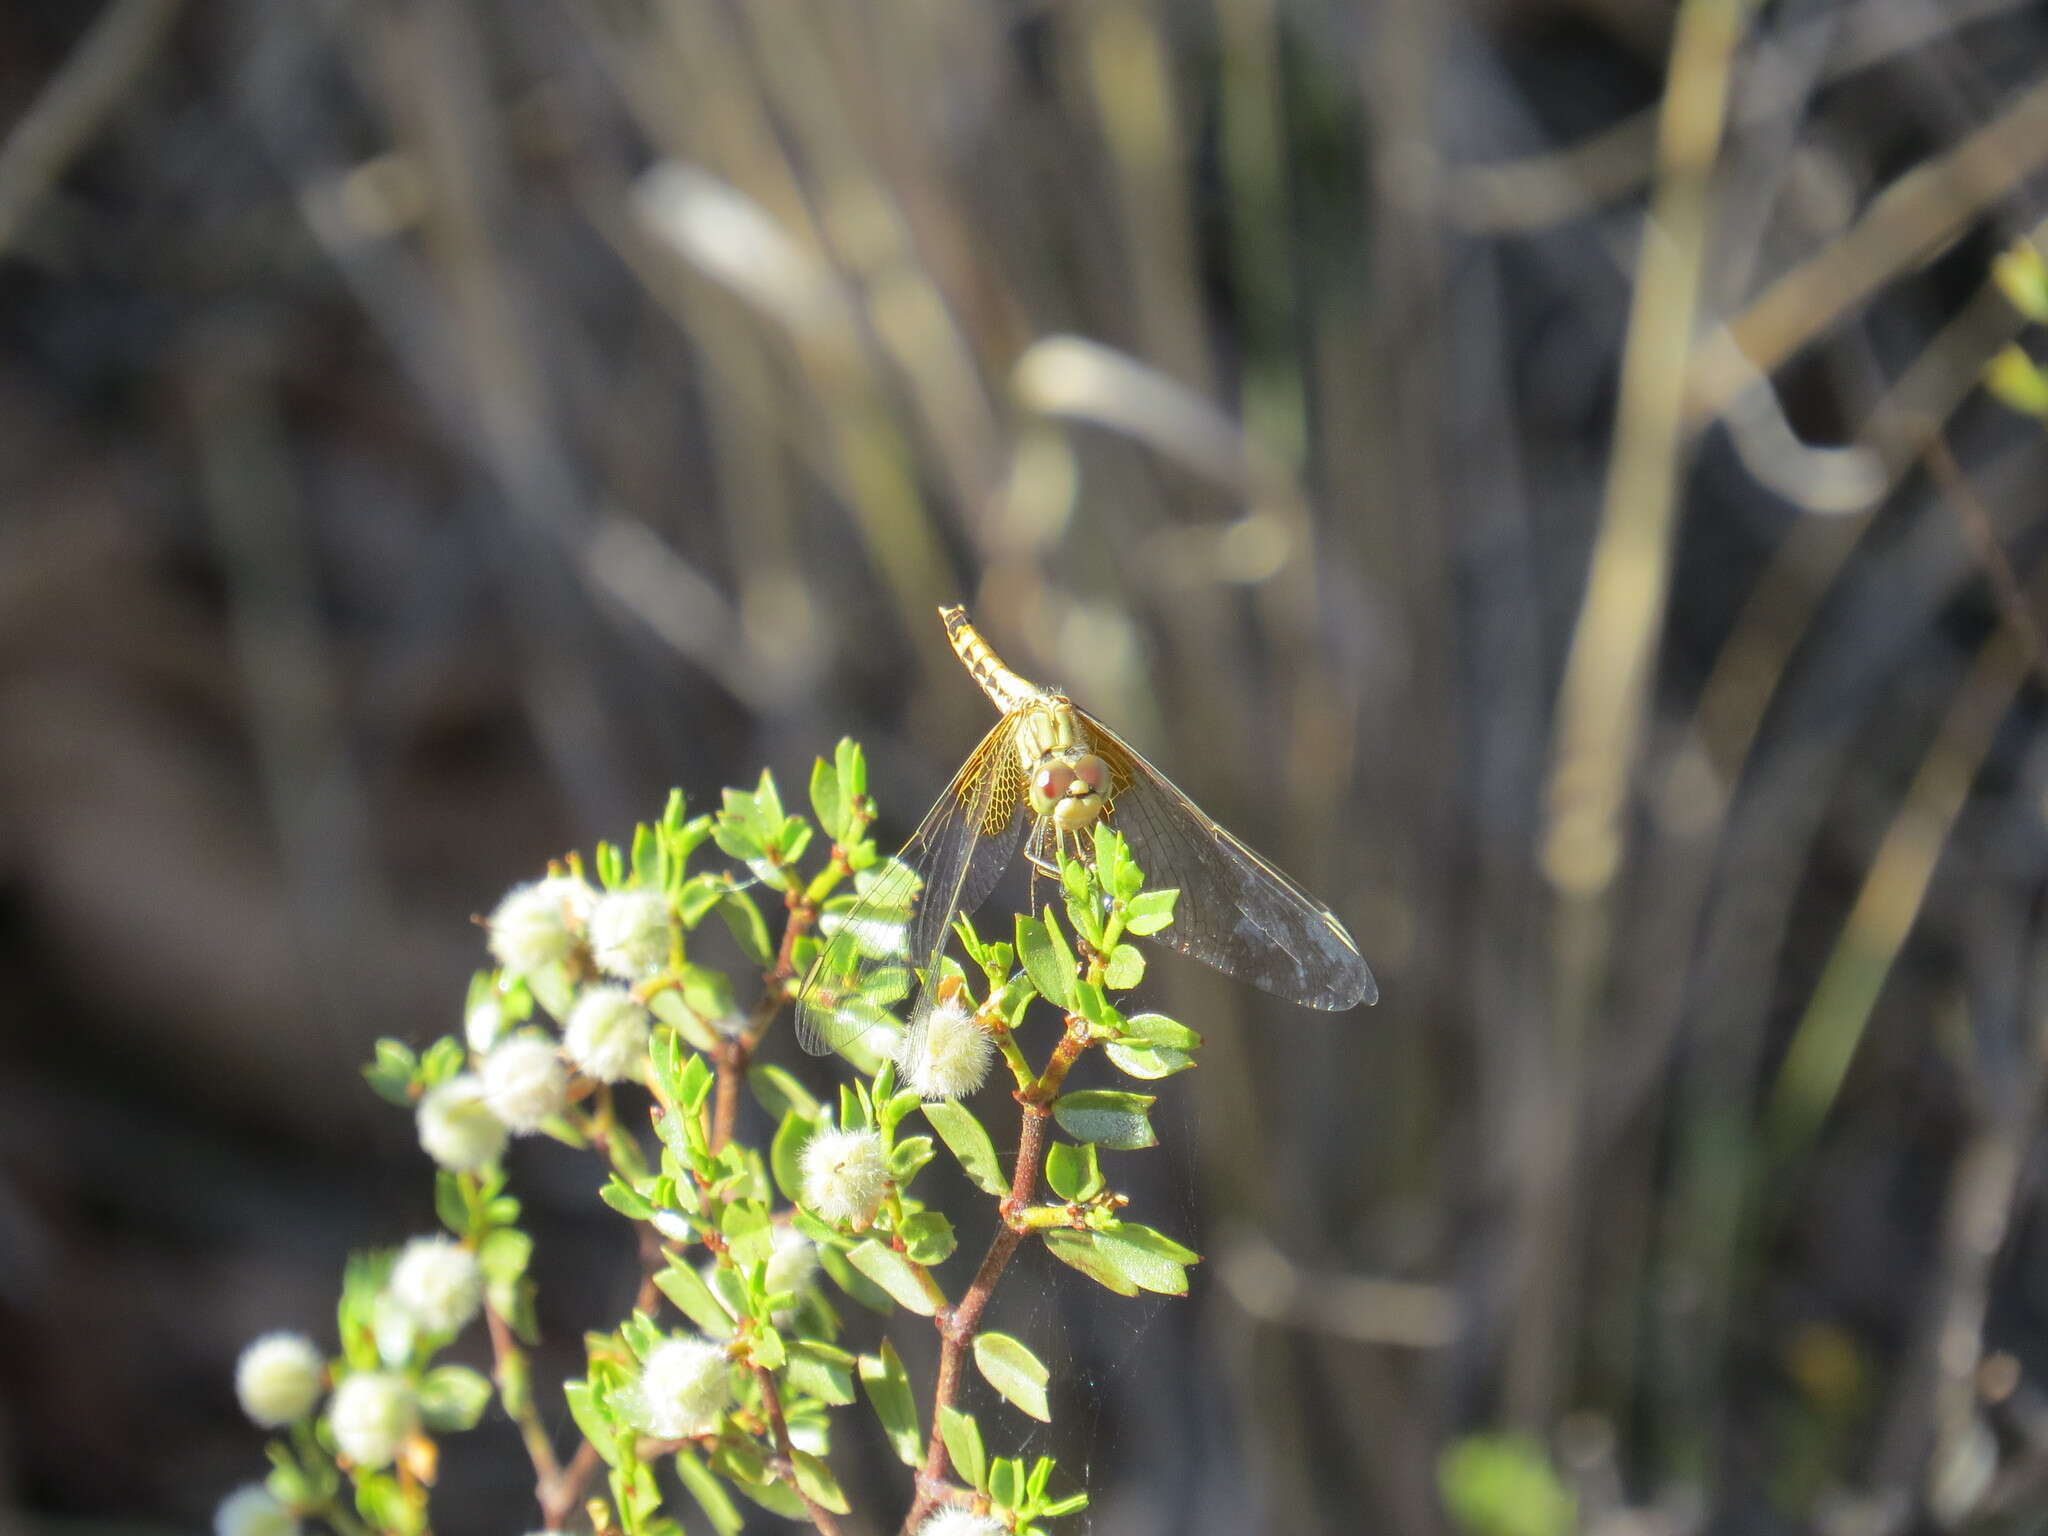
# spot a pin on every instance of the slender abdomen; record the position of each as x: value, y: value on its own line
x: 1006, y: 690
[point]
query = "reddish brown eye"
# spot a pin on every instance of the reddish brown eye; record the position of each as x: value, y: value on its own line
x: 1093, y: 772
x: 1053, y: 782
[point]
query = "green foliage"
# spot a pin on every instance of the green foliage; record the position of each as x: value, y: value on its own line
x: 730, y: 1228
x: 1504, y: 1485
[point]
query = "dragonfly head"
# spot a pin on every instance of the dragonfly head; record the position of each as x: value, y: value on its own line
x: 1072, y: 788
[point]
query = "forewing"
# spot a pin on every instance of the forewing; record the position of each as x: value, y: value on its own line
x: 1236, y: 911
x: 901, y: 921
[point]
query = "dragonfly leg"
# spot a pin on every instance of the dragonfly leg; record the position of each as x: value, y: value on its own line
x: 1044, y: 860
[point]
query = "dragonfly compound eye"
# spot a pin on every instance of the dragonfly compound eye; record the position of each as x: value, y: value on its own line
x: 1049, y: 786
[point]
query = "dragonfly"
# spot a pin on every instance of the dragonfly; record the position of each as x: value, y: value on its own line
x: 1042, y: 779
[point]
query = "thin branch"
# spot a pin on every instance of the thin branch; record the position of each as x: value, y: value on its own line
x: 510, y: 1360
x: 785, y: 1463
x: 958, y: 1325
x: 736, y: 1052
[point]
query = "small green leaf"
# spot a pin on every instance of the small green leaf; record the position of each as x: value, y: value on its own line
x: 1147, y: 1062
x: 1158, y: 1029
x: 888, y: 1389
x: 735, y: 839
x: 453, y: 1397
x: 698, y: 895
x: 823, y: 1370
x: 1014, y: 1371
x: 749, y: 1235
x: 927, y: 1238
x: 708, y: 992
x: 1006, y: 1481
x: 390, y: 1072
x: 909, y: 1156
x: 767, y: 803
x: 828, y: 800
x: 778, y: 1092
x: 694, y: 1084
x: 1151, y: 1260
x: 593, y: 1418
x: 967, y: 1141
x: 1047, y: 959
x: 451, y: 1205
x: 852, y: 764
x: 1126, y: 968
x: 1073, y: 1171
x: 786, y: 1153
x: 964, y: 1447
x: 710, y: 1494
x: 1106, y: 1117
x: 748, y: 926
x: 626, y: 1200
x: 504, y: 1255
x: 1078, y: 1250
x: 846, y: 1277
x: 647, y: 859
x: 893, y: 1273
x: 1149, y: 911
x: 815, y: 1478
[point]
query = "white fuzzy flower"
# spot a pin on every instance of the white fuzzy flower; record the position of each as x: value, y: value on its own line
x: 793, y: 1261
x: 791, y: 1264
x: 607, y: 1033
x: 252, y: 1510
x: 277, y: 1379
x: 955, y: 1521
x: 482, y: 1025
x: 525, y: 1082
x: 457, y: 1127
x: 371, y: 1414
x: 844, y: 1175
x: 438, y: 1283
x: 683, y: 1388
x: 949, y: 1057
x: 629, y: 933
x: 537, y: 925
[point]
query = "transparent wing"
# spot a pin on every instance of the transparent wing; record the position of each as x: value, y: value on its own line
x: 1236, y: 911
x: 901, y: 920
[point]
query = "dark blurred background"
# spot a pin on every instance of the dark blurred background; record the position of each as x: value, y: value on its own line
x: 430, y: 430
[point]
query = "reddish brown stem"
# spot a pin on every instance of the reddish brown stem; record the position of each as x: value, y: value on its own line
x: 785, y: 1461
x: 736, y: 1052
x: 958, y: 1325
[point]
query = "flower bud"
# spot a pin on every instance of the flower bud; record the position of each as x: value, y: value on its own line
x: 793, y: 1260
x: 252, y: 1510
x: 537, y: 925
x: 607, y: 1034
x: 525, y: 1082
x: 955, y: 1521
x: 438, y: 1283
x: 371, y: 1415
x: 277, y: 1379
x: 457, y: 1127
x: 684, y: 1386
x: 844, y: 1175
x: 949, y: 1057
x: 629, y: 933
